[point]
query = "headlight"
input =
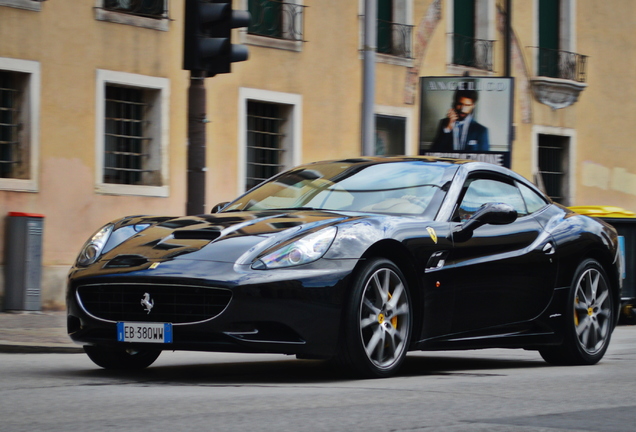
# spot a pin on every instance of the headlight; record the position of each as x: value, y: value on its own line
x: 93, y: 248
x: 302, y: 251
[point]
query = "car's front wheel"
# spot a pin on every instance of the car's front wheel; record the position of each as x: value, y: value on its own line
x: 121, y: 358
x: 589, y: 319
x: 378, y: 321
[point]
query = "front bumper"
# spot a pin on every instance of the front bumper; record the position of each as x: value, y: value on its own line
x: 290, y: 311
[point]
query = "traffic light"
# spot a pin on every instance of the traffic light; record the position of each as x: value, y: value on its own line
x: 207, y: 36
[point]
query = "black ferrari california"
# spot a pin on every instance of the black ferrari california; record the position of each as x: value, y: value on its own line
x: 358, y: 261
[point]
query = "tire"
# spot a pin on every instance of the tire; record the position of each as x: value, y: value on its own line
x: 377, y: 321
x: 589, y: 319
x: 120, y: 358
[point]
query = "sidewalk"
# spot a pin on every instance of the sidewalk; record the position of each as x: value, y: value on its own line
x: 35, y: 332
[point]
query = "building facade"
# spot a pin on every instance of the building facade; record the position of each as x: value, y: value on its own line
x: 93, y: 100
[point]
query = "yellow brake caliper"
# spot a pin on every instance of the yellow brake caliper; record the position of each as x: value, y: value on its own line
x: 394, y: 319
x: 576, y: 316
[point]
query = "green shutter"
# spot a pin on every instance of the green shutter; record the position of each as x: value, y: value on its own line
x: 464, y: 32
x: 549, y: 38
x: 266, y: 18
x: 385, y: 18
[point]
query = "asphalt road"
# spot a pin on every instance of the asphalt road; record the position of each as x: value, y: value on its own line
x: 490, y: 390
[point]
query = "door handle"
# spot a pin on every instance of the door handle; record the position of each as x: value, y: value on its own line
x: 548, y: 249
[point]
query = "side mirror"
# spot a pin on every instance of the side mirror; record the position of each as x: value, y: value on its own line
x: 488, y: 214
x: 220, y: 206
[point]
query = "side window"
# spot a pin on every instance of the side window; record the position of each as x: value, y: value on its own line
x: 533, y: 200
x: 481, y: 191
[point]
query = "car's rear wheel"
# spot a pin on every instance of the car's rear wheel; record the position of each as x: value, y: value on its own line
x: 589, y: 319
x: 120, y: 358
x: 378, y: 321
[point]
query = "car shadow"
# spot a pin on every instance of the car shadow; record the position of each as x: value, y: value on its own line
x: 419, y: 365
x: 293, y: 371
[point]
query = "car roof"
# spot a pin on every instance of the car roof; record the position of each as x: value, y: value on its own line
x: 384, y: 159
x: 468, y: 166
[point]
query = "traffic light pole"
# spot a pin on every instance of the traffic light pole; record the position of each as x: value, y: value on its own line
x: 197, y: 120
x: 207, y: 51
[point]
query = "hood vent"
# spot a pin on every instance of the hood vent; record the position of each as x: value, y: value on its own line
x: 123, y: 261
x: 202, y: 234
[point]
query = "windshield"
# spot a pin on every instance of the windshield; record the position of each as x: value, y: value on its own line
x: 391, y: 187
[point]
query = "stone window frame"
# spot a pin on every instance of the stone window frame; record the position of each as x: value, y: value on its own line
x: 160, y: 119
x: 30, y: 118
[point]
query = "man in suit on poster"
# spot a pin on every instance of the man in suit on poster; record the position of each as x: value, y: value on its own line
x: 459, y: 132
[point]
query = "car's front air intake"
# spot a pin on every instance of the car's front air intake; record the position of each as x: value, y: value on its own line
x: 153, y: 302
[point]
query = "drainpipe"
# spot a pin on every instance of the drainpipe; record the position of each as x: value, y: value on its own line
x: 508, y: 39
x: 368, y: 79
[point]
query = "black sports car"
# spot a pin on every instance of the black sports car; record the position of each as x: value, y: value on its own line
x: 356, y: 260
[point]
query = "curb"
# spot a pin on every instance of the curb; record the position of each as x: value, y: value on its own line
x: 29, y: 348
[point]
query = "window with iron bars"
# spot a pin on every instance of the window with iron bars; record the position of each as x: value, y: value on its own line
x: 126, y: 143
x: 264, y: 141
x: 13, y: 151
x: 144, y: 8
x: 552, y: 166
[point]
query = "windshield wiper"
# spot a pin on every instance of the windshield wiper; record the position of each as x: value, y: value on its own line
x: 272, y: 209
x: 296, y: 208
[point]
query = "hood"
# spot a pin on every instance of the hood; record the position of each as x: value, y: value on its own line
x: 222, y: 237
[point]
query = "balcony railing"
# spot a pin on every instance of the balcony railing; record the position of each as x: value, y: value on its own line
x: 471, y: 52
x: 561, y: 64
x: 276, y: 19
x: 395, y: 39
x: 144, y: 8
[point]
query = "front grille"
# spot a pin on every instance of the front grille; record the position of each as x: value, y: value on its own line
x: 170, y: 303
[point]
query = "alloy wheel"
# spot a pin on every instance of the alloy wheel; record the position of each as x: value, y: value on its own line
x: 384, y: 318
x: 592, y: 311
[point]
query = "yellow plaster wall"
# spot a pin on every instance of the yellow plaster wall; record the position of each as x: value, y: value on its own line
x: 327, y: 73
x: 606, y: 154
x: 71, y: 46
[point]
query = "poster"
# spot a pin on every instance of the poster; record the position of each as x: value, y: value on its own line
x: 467, y: 118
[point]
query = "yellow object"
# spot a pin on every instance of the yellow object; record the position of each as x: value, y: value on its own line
x: 576, y: 316
x: 603, y: 211
x: 432, y: 233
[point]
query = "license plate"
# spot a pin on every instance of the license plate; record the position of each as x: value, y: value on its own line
x: 144, y: 332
